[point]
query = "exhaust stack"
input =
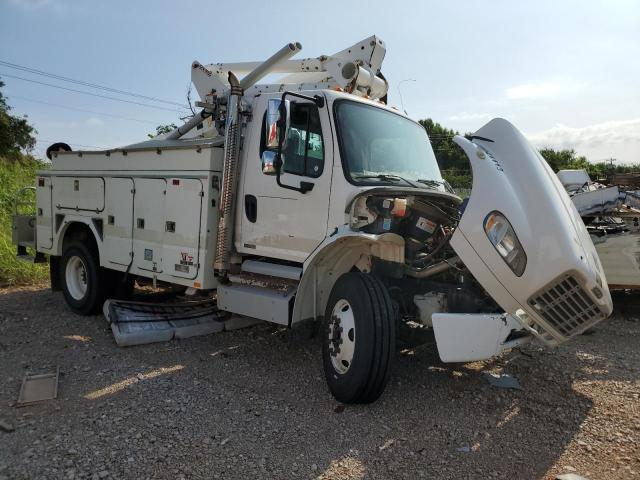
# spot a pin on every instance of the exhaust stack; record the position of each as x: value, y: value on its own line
x: 232, y: 152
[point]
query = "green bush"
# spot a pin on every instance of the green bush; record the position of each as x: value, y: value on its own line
x: 16, y: 173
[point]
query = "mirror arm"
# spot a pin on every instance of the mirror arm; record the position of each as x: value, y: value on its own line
x: 303, y: 188
x: 317, y: 99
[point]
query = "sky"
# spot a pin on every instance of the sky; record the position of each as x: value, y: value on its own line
x: 566, y: 73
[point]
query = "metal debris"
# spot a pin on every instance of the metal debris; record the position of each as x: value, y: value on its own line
x: 502, y: 380
x: 570, y: 476
x: 137, y: 323
x: 38, y: 388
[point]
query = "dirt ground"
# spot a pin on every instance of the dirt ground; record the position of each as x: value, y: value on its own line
x: 253, y: 404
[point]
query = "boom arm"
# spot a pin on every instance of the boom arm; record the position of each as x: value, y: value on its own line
x: 354, y: 69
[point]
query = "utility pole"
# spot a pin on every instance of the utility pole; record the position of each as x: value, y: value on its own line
x: 610, y: 170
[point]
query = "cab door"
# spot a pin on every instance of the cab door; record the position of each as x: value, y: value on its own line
x: 275, y: 221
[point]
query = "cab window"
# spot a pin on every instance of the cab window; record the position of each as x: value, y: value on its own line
x: 304, y: 151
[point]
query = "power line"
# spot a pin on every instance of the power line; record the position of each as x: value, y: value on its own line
x: 89, y: 93
x: 83, y: 110
x: 86, y: 84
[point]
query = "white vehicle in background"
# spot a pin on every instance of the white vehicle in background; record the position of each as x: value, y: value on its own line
x: 312, y: 200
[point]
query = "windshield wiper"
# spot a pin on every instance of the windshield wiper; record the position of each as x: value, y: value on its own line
x: 436, y: 183
x: 389, y: 177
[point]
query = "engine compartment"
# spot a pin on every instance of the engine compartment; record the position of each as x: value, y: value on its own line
x: 426, y: 222
x: 432, y: 277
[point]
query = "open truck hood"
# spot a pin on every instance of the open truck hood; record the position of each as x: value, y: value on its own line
x: 563, y: 290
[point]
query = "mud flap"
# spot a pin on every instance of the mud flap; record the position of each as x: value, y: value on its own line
x: 464, y: 337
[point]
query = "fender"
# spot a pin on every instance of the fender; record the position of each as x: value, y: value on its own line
x: 335, y: 256
x: 68, y: 221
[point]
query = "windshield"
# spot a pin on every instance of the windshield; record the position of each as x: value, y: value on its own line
x: 381, y: 147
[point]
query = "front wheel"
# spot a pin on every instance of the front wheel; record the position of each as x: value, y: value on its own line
x: 359, y: 338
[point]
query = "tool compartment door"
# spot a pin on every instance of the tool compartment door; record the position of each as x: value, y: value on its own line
x: 118, y: 228
x: 81, y: 194
x: 148, y: 223
x: 183, y: 213
x: 44, y: 213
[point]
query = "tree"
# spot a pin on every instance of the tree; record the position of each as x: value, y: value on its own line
x: 448, y: 154
x: 564, y: 159
x: 162, y: 130
x: 455, y: 167
x: 16, y: 134
x: 568, y: 159
x: 452, y: 161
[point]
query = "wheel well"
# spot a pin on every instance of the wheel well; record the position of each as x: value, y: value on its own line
x: 339, y: 257
x: 77, y: 231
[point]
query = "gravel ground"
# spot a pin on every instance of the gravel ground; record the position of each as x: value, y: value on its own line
x: 253, y: 404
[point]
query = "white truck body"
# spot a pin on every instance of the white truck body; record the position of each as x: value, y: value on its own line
x: 153, y: 210
x: 129, y: 198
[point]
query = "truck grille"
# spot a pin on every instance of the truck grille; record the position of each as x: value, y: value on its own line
x: 566, y: 306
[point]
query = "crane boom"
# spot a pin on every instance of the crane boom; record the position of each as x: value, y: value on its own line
x: 355, y: 69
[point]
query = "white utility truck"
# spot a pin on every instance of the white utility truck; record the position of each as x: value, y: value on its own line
x: 310, y: 199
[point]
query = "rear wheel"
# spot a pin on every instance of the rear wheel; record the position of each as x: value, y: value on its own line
x: 81, y: 278
x: 359, y: 338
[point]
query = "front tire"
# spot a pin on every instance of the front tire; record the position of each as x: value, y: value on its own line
x: 358, y: 338
x: 81, y: 278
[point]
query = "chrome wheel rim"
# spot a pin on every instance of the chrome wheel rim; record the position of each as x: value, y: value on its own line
x: 342, y: 336
x: 76, y: 277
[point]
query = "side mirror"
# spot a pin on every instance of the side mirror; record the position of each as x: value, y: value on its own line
x: 276, y: 109
x: 269, y: 162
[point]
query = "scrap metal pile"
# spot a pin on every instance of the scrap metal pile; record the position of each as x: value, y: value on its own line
x: 611, y: 215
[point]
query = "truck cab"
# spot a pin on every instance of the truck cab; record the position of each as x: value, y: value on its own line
x: 313, y: 201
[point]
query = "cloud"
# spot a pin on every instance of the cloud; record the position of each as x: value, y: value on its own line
x: 600, y: 134
x: 94, y: 122
x: 468, y: 116
x: 533, y: 90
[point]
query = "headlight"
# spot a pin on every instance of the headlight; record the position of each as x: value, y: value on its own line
x: 505, y: 241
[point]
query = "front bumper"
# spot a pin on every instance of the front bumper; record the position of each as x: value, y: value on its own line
x: 463, y: 337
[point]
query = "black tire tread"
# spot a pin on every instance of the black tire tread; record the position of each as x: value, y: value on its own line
x: 383, y: 352
x: 98, y: 292
x: 383, y: 341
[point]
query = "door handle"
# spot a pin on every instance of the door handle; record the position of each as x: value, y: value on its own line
x: 306, y: 187
x: 251, y: 208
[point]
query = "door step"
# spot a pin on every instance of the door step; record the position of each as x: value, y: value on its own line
x: 277, y: 284
x: 23, y: 256
x: 272, y: 269
x: 259, y: 296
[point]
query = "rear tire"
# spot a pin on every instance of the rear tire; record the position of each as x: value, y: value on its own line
x: 358, y: 338
x: 82, y: 280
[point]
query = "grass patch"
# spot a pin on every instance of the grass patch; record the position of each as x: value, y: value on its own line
x: 15, y: 174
